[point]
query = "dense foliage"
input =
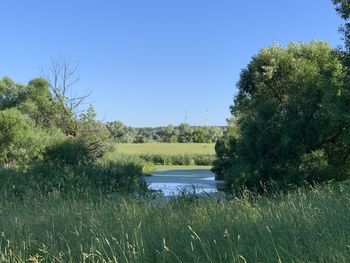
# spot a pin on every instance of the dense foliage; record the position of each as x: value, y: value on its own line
x: 292, y: 120
x: 47, y: 178
x: 29, y: 122
x: 184, y: 133
x: 46, y: 146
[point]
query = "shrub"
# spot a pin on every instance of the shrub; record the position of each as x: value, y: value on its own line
x: 69, y: 151
x: 205, y: 159
x: 178, y: 159
x: 122, y: 175
x: 20, y: 142
x: 119, y: 176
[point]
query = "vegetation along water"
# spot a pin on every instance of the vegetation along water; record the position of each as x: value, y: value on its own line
x: 275, y: 179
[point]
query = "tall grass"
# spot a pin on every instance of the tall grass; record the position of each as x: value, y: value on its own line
x: 305, y: 226
x: 121, y: 175
x: 180, y: 159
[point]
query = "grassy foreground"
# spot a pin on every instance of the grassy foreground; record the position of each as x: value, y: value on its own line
x: 306, y: 226
x: 166, y: 148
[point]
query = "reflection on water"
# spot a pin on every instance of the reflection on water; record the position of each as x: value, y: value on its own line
x: 169, y: 189
x: 175, y: 182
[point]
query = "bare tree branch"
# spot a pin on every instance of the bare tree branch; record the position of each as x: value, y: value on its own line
x: 61, y: 77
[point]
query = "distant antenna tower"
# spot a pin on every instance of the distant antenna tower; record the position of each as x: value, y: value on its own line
x: 186, y: 116
x: 206, y: 118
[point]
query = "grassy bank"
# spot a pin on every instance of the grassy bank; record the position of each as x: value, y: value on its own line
x: 181, y: 167
x: 306, y: 226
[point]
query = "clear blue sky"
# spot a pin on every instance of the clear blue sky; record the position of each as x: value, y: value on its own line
x: 148, y: 61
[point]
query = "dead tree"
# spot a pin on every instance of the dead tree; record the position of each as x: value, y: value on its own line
x: 61, y: 78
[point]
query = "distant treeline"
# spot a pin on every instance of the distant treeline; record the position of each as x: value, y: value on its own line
x: 184, y: 133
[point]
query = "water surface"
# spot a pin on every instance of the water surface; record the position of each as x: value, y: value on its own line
x: 175, y: 182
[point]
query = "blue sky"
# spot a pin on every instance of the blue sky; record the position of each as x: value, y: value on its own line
x: 146, y: 62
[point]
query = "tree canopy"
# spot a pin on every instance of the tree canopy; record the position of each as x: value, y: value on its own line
x: 292, y: 120
x: 33, y: 123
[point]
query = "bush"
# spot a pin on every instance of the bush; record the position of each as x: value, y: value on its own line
x: 68, y: 152
x: 118, y: 176
x: 178, y: 159
x: 20, y: 142
x: 205, y: 159
x: 122, y: 175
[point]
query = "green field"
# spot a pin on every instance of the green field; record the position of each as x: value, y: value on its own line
x: 184, y: 154
x: 304, y: 226
x: 166, y: 148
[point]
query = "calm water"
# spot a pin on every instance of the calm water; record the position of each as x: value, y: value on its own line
x: 175, y: 182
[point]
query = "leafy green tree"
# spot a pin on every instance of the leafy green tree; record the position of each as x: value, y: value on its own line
x: 168, y: 134
x: 121, y: 133
x: 20, y: 141
x: 38, y: 103
x: 201, y: 135
x: 145, y: 135
x: 33, y: 121
x: 225, y: 148
x: 92, y: 134
x: 9, y: 93
x: 290, y: 111
x: 185, y: 133
x: 214, y: 133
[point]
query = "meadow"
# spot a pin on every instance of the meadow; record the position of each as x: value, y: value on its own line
x: 188, y: 154
x: 165, y: 148
x: 308, y: 225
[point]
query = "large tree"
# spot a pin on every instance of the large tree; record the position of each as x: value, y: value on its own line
x: 292, y: 120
